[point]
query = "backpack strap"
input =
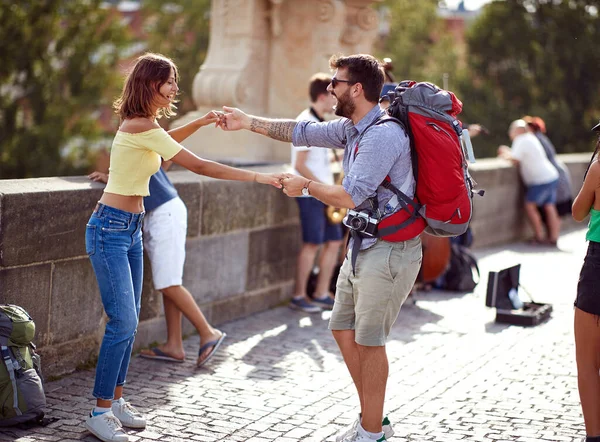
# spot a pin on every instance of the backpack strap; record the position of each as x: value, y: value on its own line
x: 357, y: 237
x: 11, y: 368
x: 377, y: 122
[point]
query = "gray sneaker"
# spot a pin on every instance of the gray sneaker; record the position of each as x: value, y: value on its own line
x: 106, y: 427
x: 386, y: 427
x: 303, y: 305
x: 326, y: 303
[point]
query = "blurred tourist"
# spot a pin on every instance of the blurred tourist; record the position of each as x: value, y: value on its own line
x: 540, y: 178
x: 564, y: 191
x: 314, y: 164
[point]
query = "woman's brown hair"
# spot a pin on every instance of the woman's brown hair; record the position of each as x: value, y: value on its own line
x: 142, y: 84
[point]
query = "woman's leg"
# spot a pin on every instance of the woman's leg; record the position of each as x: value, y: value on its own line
x: 587, y: 351
x: 111, y: 265
x: 135, y: 257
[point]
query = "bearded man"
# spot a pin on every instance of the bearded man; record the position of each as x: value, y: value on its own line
x: 370, y: 293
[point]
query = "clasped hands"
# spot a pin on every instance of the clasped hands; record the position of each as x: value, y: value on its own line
x: 229, y: 119
x: 292, y: 185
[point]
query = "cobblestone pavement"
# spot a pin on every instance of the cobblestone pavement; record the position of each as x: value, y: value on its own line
x: 454, y: 373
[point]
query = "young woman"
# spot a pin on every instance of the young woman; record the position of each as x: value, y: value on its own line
x: 113, y: 233
x: 587, y: 303
x: 164, y: 232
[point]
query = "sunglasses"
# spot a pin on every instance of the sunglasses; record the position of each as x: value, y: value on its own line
x: 335, y: 81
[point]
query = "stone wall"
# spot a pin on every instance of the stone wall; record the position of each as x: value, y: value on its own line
x: 241, y: 251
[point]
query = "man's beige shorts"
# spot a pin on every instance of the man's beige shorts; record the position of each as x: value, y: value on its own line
x: 370, y: 302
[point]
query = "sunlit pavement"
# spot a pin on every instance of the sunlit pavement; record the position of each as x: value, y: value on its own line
x: 454, y: 373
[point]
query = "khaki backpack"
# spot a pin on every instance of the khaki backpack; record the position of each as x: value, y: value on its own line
x: 22, y: 397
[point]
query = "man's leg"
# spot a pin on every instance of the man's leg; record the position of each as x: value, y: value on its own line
x: 173, y: 316
x: 312, y: 238
x: 306, y: 260
x: 327, y: 262
x: 385, y: 275
x: 350, y: 352
x: 535, y: 219
x: 374, y: 370
x: 553, y: 222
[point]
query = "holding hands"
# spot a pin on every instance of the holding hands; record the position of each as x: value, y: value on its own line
x: 211, y: 117
x: 293, y: 184
x: 233, y: 119
x: 274, y: 179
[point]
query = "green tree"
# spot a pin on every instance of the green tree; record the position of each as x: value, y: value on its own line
x: 417, y: 41
x: 536, y: 58
x: 59, y: 65
x: 180, y: 30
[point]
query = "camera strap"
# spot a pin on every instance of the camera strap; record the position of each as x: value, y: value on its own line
x: 357, y: 238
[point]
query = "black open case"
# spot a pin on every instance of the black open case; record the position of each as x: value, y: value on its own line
x: 499, y: 285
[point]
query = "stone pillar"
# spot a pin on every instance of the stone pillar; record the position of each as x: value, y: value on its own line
x: 260, y: 57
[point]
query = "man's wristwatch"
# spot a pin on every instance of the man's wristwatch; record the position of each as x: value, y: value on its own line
x: 305, y: 191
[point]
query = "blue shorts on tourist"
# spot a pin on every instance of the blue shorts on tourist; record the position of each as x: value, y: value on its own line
x: 542, y: 194
x: 316, y: 229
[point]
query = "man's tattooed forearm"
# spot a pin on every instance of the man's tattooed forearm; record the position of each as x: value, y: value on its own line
x: 259, y: 126
x: 280, y: 130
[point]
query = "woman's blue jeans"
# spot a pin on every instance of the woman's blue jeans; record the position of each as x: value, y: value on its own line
x: 113, y: 241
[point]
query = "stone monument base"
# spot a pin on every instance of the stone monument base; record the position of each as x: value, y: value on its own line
x: 240, y: 147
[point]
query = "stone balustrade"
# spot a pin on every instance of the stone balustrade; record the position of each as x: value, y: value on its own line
x: 241, y: 251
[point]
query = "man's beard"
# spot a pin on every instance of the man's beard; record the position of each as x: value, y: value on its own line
x: 345, y: 106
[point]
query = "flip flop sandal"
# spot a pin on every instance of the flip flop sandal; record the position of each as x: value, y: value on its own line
x: 160, y: 355
x: 215, y: 346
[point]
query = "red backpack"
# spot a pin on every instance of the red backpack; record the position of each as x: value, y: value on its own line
x: 443, y: 198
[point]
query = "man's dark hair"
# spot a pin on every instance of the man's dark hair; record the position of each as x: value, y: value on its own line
x: 364, y: 69
x: 318, y: 85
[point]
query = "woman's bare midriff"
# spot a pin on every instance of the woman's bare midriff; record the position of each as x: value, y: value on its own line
x: 127, y: 203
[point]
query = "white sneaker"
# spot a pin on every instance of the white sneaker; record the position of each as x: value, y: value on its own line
x: 386, y: 427
x: 106, y: 427
x: 127, y: 414
x: 356, y: 436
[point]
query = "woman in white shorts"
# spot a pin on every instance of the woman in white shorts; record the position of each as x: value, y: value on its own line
x: 165, y: 230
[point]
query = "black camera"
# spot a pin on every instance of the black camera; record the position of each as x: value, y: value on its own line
x: 361, y: 222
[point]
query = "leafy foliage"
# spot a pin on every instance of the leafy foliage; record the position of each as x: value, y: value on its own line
x: 535, y: 58
x: 59, y: 64
x: 417, y: 42
x: 180, y: 30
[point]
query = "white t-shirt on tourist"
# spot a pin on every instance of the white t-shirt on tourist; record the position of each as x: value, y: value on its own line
x: 318, y: 160
x: 534, y: 164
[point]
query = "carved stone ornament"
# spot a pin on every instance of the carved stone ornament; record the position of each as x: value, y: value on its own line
x: 326, y: 10
x: 366, y: 18
x: 275, y: 15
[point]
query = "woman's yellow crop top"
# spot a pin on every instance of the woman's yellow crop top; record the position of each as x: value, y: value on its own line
x: 134, y: 158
